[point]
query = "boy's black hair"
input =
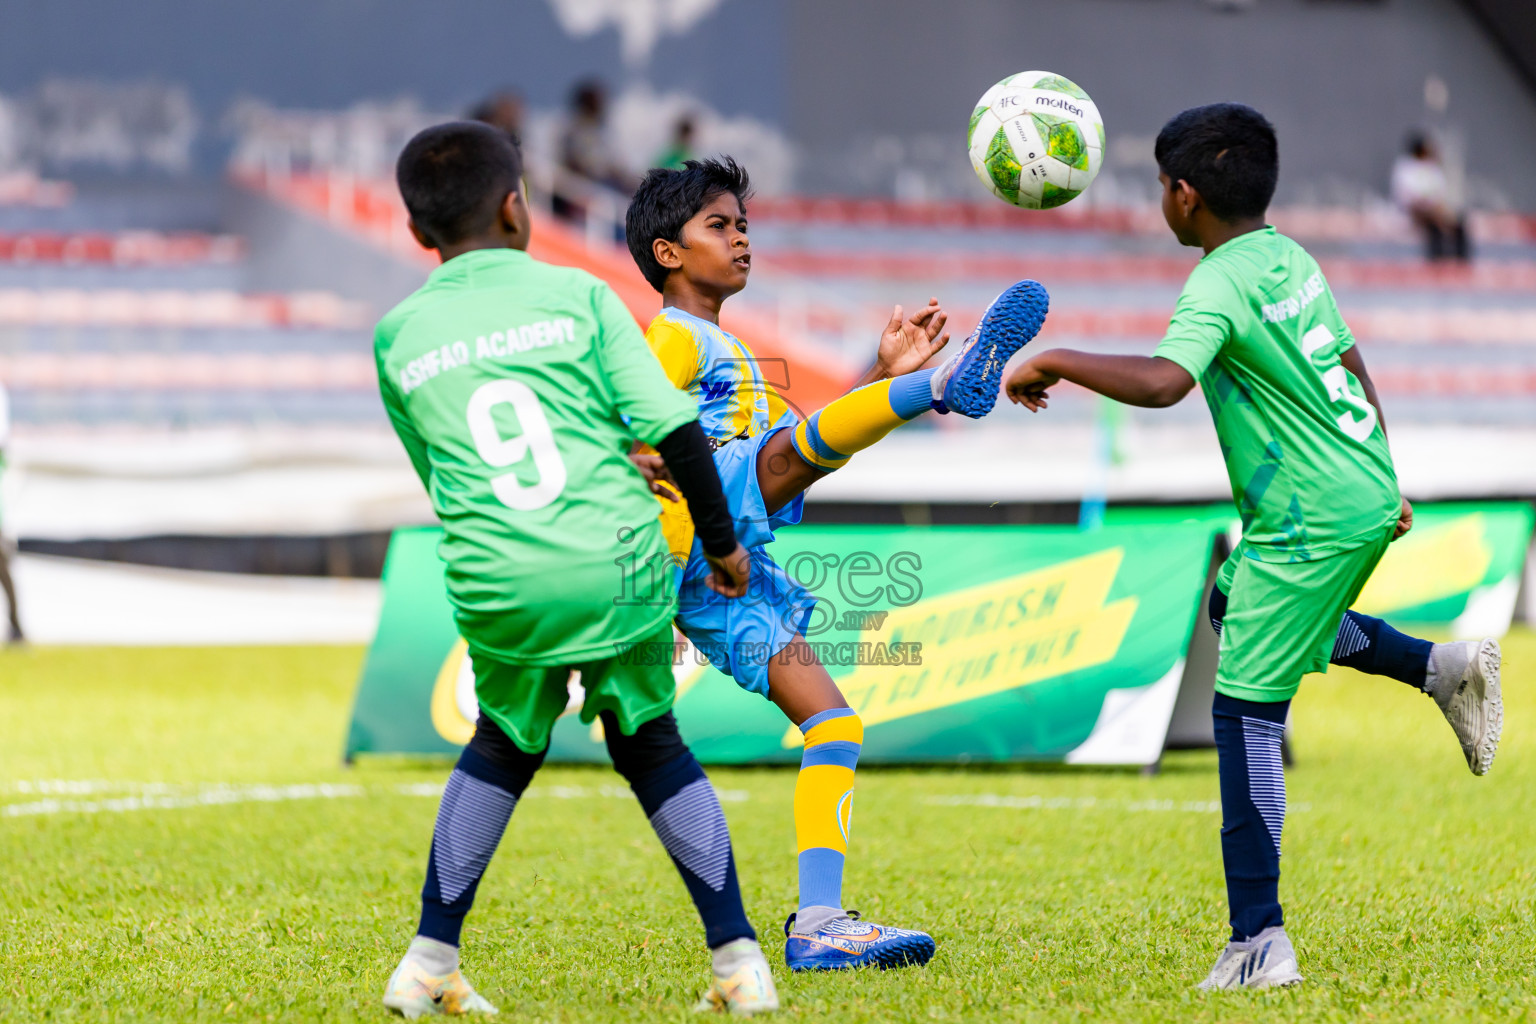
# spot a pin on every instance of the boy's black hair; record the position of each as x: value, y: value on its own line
x: 1227, y: 152
x: 666, y: 200
x: 455, y: 176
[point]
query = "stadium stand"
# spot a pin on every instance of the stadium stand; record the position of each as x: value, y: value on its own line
x: 149, y: 350
x: 145, y: 323
x: 1433, y: 332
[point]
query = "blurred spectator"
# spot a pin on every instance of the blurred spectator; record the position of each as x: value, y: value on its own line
x: 681, y: 146
x: 586, y: 150
x: 15, y: 635
x: 502, y: 110
x: 1420, y: 187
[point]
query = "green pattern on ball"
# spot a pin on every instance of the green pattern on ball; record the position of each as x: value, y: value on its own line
x: 1056, y: 83
x: 1066, y: 143
x: 1063, y: 140
x: 1052, y: 196
x: 1099, y: 126
x: 1003, y: 166
x: 975, y: 117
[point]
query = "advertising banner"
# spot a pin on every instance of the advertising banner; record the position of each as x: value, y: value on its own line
x: 954, y: 644
x: 393, y: 712
x: 1459, y: 568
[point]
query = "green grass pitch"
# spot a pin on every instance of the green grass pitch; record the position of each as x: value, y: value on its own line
x: 264, y: 881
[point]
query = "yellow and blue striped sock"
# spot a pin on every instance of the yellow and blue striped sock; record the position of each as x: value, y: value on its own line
x: 824, y: 812
x: 828, y: 439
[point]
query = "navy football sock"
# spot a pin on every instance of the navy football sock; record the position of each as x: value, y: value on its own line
x: 686, y: 814
x: 1371, y: 645
x: 1248, y: 736
x: 477, y: 804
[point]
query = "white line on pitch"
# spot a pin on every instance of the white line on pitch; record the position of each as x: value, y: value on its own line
x: 210, y: 796
x: 157, y: 796
x: 1084, y: 803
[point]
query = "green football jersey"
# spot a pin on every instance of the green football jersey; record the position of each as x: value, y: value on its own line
x: 1258, y: 328
x: 517, y: 388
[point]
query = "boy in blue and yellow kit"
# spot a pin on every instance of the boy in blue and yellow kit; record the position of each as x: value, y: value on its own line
x: 1314, y: 484
x: 687, y: 230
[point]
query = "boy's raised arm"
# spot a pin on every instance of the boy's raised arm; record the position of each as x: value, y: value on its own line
x: 1149, y: 381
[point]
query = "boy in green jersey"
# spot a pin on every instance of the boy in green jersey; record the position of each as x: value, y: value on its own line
x: 1301, y: 433
x: 517, y: 389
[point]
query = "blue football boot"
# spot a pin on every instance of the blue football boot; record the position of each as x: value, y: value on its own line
x: 968, y: 382
x: 848, y: 942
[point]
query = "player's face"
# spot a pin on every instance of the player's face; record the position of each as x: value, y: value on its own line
x: 1175, y: 212
x: 718, y: 255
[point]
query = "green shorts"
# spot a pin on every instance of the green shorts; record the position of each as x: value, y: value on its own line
x: 1282, y: 618
x: 636, y: 684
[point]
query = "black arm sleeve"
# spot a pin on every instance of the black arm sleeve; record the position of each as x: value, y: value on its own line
x: 687, y: 454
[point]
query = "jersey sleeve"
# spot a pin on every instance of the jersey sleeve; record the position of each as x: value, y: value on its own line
x: 678, y: 351
x: 641, y: 390
x: 405, y: 429
x: 1199, y: 328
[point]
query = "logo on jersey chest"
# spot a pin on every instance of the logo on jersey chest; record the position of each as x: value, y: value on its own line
x: 714, y: 390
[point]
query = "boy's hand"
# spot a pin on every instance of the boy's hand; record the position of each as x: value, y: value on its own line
x: 1404, y: 520
x: 1027, y: 385
x: 657, y: 476
x: 730, y: 574
x: 906, y: 344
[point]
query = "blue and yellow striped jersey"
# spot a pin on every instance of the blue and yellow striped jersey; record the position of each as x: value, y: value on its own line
x: 718, y: 371
x: 724, y: 379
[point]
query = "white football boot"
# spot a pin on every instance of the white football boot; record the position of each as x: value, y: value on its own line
x: 1465, y: 675
x: 1265, y: 961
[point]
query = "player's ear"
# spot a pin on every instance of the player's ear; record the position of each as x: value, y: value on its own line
x: 666, y: 253
x: 515, y: 218
x: 1187, y: 197
x: 422, y: 238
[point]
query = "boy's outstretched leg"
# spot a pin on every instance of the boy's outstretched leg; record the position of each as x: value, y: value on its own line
x: 685, y: 812
x: 490, y: 776
x: 793, y: 459
x: 1248, y: 735
x: 967, y: 383
x: 821, y: 935
x: 1462, y: 677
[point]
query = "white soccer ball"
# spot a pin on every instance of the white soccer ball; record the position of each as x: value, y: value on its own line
x: 1036, y: 140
